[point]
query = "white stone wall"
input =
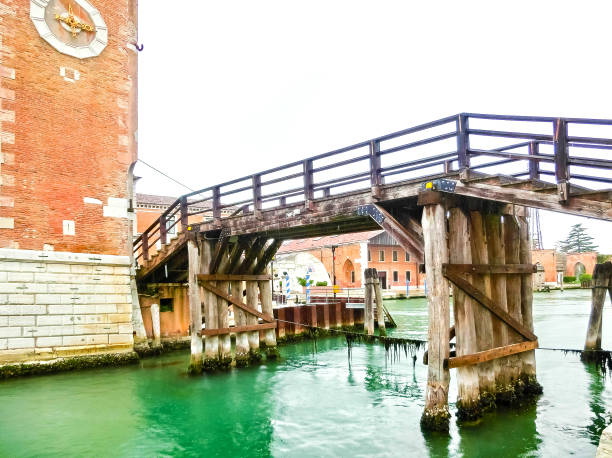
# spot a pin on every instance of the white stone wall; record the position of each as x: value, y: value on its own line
x: 57, y: 304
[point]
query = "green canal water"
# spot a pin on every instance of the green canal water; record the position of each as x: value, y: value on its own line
x: 311, y: 404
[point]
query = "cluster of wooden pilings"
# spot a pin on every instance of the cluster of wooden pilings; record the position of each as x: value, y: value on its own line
x: 485, y: 255
x: 223, y: 273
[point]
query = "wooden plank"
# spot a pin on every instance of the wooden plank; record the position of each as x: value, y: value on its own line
x: 252, y: 327
x: 494, y: 353
x: 492, y: 269
x: 237, y: 303
x: 488, y: 303
x: 220, y: 249
x: 264, y: 260
x: 408, y: 239
x: 232, y: 277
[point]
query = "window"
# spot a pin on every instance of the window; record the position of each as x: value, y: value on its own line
x: 369, y: 255
x: 381, y: 256
x: 166, y: 304
x: 170, y: 222
x: 352, y: 276
x: 407, y: 277
x: 395, y: 276
x: 407, y: 257
x: 394, y: 255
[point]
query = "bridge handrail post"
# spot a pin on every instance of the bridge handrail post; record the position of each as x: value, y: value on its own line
x: 163, y: 229
x: 376, y: 178
x: 561, y: 158
x: 256, y: 193
x: 534, y: 164
x: 145, y: 246
x: 463, y: 142
x: 308, y: 184
x: 216, y: 202
x: 184, y: 213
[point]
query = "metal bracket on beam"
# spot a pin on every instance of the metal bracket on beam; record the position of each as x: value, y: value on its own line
x: 371, y: 211
x: 440, y: 184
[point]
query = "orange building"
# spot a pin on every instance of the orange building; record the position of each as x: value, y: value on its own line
x: 570, y: 264
x: 68, y: 146
x: 347, y: 256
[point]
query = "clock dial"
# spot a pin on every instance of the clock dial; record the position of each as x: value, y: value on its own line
x: 73, y: 27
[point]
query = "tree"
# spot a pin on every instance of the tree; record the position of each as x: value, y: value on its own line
x: 578, y: 241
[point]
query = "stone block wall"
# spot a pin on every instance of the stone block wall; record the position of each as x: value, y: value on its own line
x: 62, y: 304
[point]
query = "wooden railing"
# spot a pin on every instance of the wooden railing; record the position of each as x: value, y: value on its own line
x: 473, y: 141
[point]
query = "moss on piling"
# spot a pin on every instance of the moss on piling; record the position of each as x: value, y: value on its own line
x: 272, y: 353
x: 436, y: 420
x: 68, y: 364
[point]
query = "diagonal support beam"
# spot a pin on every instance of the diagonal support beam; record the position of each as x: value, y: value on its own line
x: 267, y: 256
x: 487, y: 303
x: 237, y: 302
x: 220, y: 249
x: 407, y: 238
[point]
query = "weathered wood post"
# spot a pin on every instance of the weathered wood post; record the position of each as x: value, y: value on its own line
x: 265, y: 290
x: 380, y: 306
x: 513, y: 291
x: 468, y: 401
x: 368, y: 320
x: 497, y: 256
x: 436, y: 415
x: 156, y: 325
x: 225, y: 343
x: 528, y: 376
x: 602, y: 282
x: 211, y: 342
x: 195, y: 308
x: 483, y: 319
x: 253, y: 336
x: 242, y: 339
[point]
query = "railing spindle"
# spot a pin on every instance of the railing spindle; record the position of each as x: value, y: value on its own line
x: 145, y: 246
x: 561, y: 158
x: 376, y: 178
x: 463, y: 141
x: 216, y: 202
x: 308, y: 184
x: 163, y: 229
x: 256, y: 194
x: 184, y: 213
x: 534, y: 164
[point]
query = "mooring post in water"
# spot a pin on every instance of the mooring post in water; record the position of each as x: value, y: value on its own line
x: 368, y: 323
x: 195, y: 308
x: 602, y: 282
x: 155, y: 325
x: 380, y: 307
x: 468, y: 400
x: 225, y: 343
x: 487, y: 371
x: 436, y: 415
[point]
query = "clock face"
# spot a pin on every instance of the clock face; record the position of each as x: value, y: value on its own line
x: 73, y: 27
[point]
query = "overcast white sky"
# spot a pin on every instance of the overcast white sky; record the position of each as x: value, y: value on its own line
x: 227, y: 89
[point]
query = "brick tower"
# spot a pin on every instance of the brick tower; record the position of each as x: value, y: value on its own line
x: 68, y: 94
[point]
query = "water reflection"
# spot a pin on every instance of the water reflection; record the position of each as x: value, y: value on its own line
x: 599, y: 419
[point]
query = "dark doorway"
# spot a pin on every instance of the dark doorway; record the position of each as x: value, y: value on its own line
x: 382, y: 276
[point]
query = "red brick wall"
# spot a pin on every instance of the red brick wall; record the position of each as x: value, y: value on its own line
x: 548, y: 259
x: 587, y: 259
x: 343, y: 253
x: 63, y: 141
x: 389, y: 266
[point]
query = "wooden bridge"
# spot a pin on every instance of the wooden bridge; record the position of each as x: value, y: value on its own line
x: 461, y: 212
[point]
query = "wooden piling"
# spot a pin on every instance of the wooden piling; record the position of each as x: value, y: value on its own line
x: 528, y: 359
x: 512, y: 246
x: 252, y: 301
x: 195, y: 308
x: 468, y: 401
x: 380, y: 307
x: 436, y: 415
x: 482, y: 317
x: 155, y: 325
x: 242, y: 339
x: 225, y: 343
x: 265, y: 290
x: 368, y: 320
x: 602, y: 282
x: 211, y: 342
